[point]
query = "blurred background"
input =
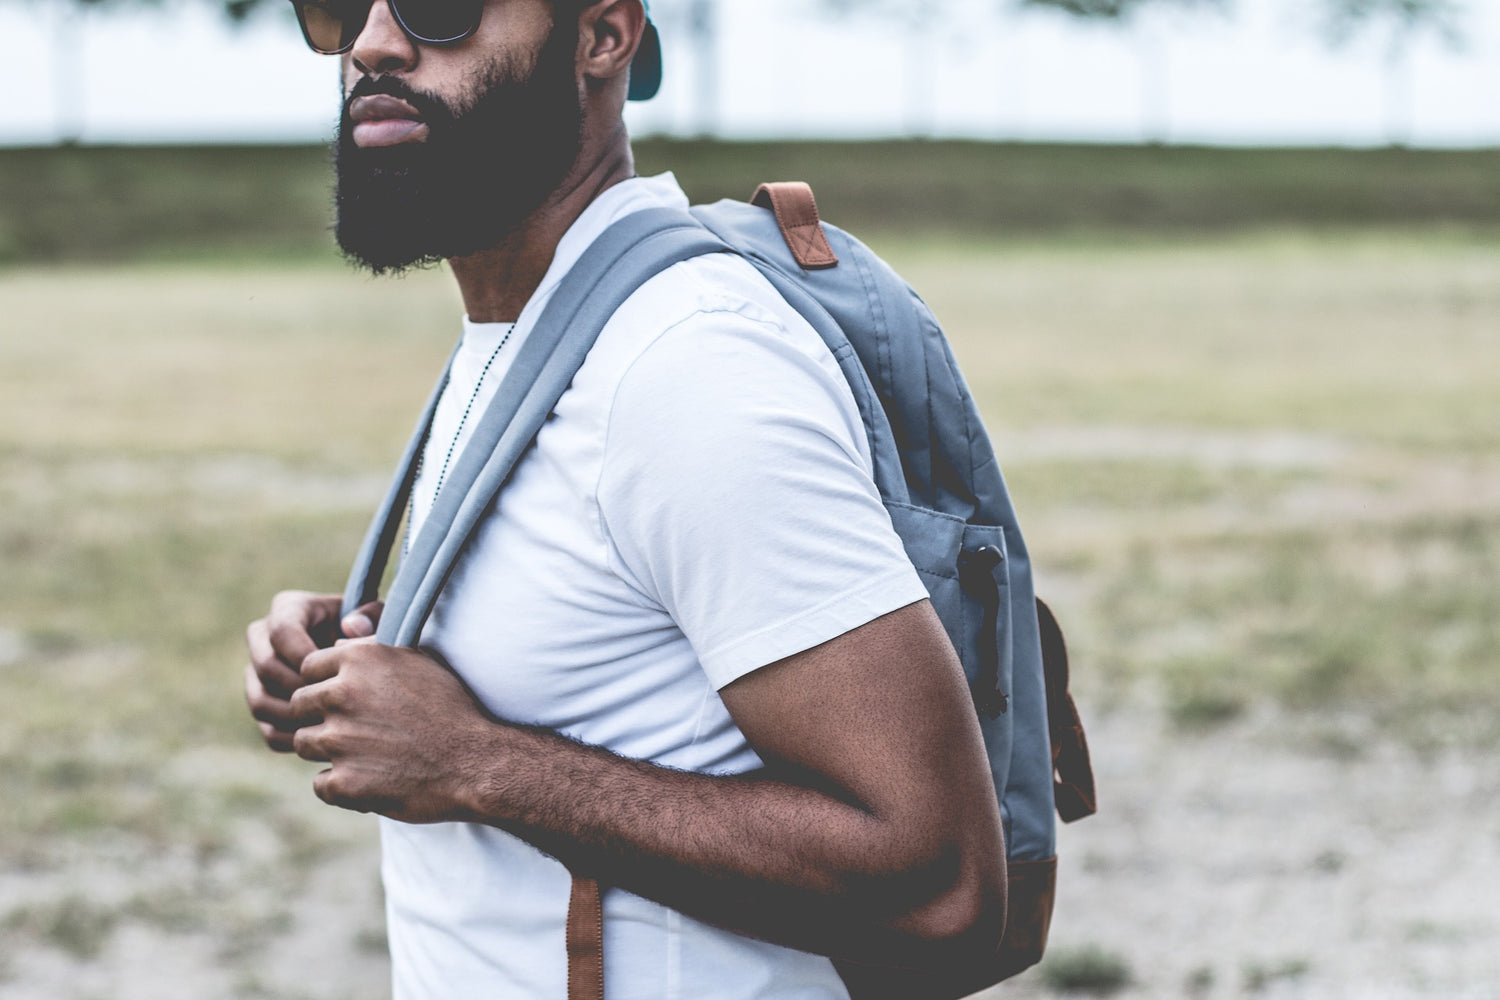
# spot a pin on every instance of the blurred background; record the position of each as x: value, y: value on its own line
x: 1224, y: 276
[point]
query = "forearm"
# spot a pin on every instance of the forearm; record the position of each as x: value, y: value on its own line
x: 875, y: 837
x: 770, y: 858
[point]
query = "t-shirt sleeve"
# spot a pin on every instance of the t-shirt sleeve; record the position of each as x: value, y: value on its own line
x: 735, y: 492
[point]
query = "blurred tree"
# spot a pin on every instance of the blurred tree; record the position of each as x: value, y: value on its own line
x: 1114, y: 10
x: 920, y: 21
x: 1404, y: 23
x: 69, y: 20
x: 698, y: 22
x: 1150, y: 48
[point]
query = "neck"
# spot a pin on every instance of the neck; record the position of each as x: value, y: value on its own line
x: 497, y: 283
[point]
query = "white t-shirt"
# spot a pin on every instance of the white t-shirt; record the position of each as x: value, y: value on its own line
x: 700, y: 505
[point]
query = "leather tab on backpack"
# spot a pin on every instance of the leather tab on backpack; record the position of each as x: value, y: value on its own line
x: 585, y: 941
x: 1073, y: 784
x: 797, y: 217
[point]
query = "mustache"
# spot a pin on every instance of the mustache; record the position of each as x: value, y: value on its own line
x: 430, y: 108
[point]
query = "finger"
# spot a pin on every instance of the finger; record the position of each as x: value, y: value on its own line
x: 311, y: 704
x: 276, y: 739
x: 330, y: 786
x: 264, y: 709
x: 310, y: 743
x: 368, y: 640
x: 321, y: 782
x: 278, y: 678
x: 363, y: 620
x: 291, y: 641
x: 322, y: 665
x: 270, y: 708
x: 295, y: 616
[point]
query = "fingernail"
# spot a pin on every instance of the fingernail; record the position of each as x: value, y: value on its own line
x: 358, y: 626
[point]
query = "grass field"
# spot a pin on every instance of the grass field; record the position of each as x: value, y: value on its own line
x: 272, y: 202
x: 1260, y: 474
x: 1259, y: 467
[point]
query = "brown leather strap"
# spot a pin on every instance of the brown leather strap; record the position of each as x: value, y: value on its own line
x: 1073, y: 784
x: 797, y: 217
x: 585, y: 941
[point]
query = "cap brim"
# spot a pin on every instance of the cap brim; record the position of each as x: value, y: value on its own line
x: 645, y: 69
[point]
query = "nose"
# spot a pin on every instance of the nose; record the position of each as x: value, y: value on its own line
x: 382, y: 47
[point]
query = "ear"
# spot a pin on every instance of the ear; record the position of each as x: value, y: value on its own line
x: 609, y: 32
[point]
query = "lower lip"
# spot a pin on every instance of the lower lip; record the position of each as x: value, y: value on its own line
x: 389, y: 132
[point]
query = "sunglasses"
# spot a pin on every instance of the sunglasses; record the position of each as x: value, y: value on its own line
x: 331, y: 26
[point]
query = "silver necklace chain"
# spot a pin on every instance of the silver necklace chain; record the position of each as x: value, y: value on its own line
x: 457, y: 433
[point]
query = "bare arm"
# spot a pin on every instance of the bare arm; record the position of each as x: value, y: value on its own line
x: 873, y: 833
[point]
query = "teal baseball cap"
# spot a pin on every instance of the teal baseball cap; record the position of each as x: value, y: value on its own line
x: 645, y: 69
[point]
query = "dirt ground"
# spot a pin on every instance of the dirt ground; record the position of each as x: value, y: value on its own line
x: 1254, y: 861
x: 1260, y: 859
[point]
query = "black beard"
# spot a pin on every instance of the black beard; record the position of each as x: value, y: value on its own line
x: 476, y: 178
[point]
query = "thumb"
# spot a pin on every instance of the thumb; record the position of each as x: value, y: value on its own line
x: 360, y: 623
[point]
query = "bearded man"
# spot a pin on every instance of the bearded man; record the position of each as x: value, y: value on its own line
x: 684, y: 652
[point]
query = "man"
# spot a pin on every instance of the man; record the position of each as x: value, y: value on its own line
x: 685, y: 652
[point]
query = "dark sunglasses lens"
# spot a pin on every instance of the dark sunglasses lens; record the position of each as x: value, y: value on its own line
x: 440, y: 20
x: 331, y: 26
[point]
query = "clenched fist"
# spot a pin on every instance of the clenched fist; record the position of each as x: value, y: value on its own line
x: 299, y: 623
x: 403, y: 735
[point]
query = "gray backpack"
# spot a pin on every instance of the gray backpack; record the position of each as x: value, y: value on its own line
x: 936, y: 473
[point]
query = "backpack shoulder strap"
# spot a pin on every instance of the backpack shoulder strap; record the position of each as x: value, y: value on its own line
x: 633, y: 250
x: 380, y: 538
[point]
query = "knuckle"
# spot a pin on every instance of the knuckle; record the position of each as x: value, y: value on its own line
x: 321, y: 698
x: 315, y: 740
x: 288, y: 611
x: 317, y: 662
x: 280, y: 630
x: 329, y: 786
x: 340, y: 695
x: 283, y: 598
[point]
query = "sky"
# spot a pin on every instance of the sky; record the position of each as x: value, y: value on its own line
x: 1258, y: 75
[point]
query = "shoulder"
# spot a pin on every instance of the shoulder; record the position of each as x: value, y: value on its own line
x: 714, y: 289
x: 711, y: 336
x: 735, y: 483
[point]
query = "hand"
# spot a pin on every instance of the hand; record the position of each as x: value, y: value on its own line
x: 298, y: 624
x: 404, y: 736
